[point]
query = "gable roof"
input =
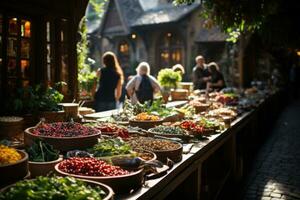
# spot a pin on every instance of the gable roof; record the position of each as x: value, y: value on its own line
x: 132, y: 14
x: 165, y: 14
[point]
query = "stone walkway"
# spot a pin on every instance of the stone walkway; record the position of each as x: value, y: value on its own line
x: 276, y: 170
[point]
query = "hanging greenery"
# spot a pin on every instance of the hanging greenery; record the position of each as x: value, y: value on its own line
x: 274, y: 20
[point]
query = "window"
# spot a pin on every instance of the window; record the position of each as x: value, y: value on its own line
x: 170, y: 49
x: 124, y: 54
x: 18, y: 56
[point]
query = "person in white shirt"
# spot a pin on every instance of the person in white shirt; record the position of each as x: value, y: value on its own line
x: 142, y: 86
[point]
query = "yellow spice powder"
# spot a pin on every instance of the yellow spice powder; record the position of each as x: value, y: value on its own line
x: 8, y: 155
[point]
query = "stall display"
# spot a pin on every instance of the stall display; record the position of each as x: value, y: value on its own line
x: 142, y: 139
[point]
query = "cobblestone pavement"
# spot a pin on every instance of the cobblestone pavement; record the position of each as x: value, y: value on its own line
x: 276, y: 170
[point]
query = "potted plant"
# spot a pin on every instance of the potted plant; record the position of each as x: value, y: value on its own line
x: 42, y: 158
x: 39, y: 102
x: 168, y: 79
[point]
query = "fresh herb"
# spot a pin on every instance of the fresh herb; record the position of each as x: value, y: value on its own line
x: 52, y: 188
x: 110, y: 147
x: 168, y: 130
x: 168, y: 78
x: 38, y: 98
x: 41, y: 151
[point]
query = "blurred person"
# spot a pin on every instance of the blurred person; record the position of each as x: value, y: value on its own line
x: 110, y: 84
x: 142, y: 86
x: 179, y: 68
x: 216, y: 79
x: 200, y: 74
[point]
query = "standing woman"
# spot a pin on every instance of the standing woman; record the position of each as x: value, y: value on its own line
x: 110, y: 85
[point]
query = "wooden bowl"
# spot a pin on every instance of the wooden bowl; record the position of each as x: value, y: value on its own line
x: 63, y: 144
x: 108, y: 191
x: 145, y: 124
x: 42, y: 168
x: 202, y: 108
x: 154, y: 157
x: 11, y: 129
x: 120, y: 184
x: 14, y: 172
x: 175, y: 154
x: 179, y: 94
x: 184, y: 137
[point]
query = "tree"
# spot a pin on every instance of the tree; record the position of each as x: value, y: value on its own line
x: 276, y: 21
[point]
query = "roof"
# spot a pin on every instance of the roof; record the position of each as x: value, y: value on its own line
x: 213, y: 34
x: 164, y: 14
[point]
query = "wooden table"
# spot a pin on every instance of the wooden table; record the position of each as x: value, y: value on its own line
x: 213, y: 163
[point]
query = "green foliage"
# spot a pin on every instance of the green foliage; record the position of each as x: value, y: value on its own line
x: 168, y: 78
x: 110, y: 147
x: 86, y: 77
x: 37, y: 99
x: 274, y: 20
x: 41, y: 151
x: 52, y: 187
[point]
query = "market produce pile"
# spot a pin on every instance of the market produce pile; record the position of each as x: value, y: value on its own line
x: 110, y: 129
x: 146, y: 117
x: 90, y: 167
x: 41, y: 151
x: 152, y: 144
x: 110, y: 147
x: 9, y: 155
x: 63, y: 129
x: 47, y: 188
x: 172, y: 130
x: 157, y: 108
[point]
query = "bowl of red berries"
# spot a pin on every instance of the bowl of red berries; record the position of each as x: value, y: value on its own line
x: 63, y: 136
x: 120, y: 180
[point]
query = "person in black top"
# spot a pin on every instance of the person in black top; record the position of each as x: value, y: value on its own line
x: 200, y: 74
x: 110, y: 85
x: 216, y: 79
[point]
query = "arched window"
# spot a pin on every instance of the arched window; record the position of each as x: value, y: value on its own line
x: 124, y: 54
x: 170, y: 49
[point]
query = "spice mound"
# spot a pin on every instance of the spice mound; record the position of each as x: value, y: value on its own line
x: 146, y: 117
x: 151, y: 144
x: 8, y: 155
x: 90, y: 167
x: 64, y: 129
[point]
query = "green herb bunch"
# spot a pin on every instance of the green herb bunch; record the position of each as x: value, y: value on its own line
x: 110, y: 147
x: 47, y: 188
x: 41, y: 151
x: 167, y: 78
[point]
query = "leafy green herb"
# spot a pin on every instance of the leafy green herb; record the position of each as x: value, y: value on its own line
x: 110, y: 147
x: 41, y: 151
x: 47, y: 188
x: 168, y: 78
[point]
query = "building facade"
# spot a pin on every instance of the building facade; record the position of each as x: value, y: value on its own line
x: 159, y: 33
